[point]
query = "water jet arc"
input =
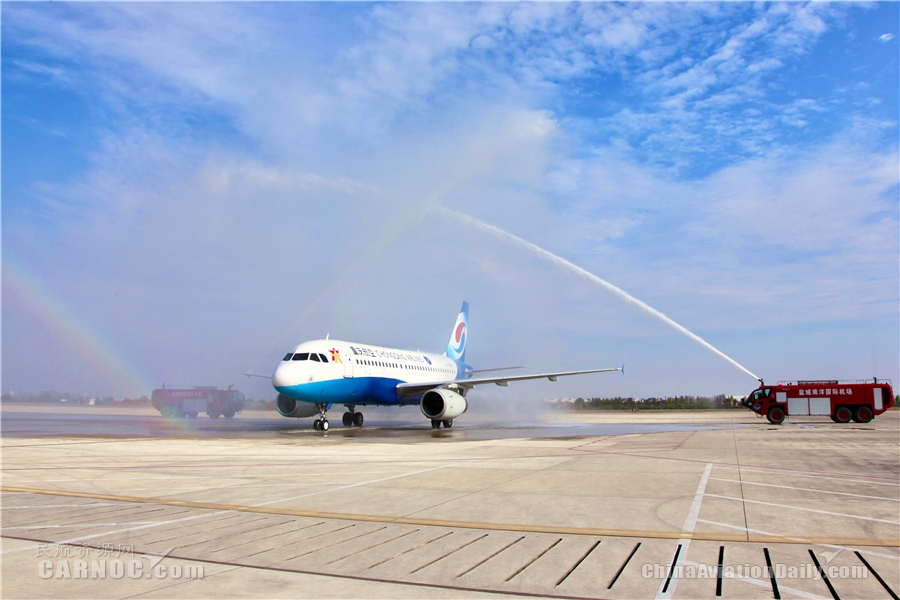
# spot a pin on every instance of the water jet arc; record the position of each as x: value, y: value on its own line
x: 563, y: 263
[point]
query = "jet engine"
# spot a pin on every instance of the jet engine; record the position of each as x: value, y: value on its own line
x: 441, y: 404
x: 290, y: 407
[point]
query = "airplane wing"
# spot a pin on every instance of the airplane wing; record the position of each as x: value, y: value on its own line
x: 405, y: 390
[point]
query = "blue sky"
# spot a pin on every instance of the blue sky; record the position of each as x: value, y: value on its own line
x: 190, y: 189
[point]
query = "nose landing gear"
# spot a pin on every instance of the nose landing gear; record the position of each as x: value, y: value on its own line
x: 321, y: 424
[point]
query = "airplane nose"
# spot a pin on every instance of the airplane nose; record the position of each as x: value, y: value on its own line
x: 282, y: 377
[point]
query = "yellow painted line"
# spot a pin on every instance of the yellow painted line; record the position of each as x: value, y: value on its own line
x: 554, y: 529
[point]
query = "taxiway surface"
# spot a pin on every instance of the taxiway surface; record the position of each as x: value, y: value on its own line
x: 256, y: 507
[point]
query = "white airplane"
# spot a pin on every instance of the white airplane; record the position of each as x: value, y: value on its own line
x: 317, y: 374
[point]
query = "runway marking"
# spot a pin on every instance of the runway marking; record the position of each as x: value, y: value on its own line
x: 848, y: 478
x: 518, y: 527
x: 58, y: 506
x: 220, y: 512
x: 860, y: 478
x: 726, y: 525
x: 441, y: 586
x: 667, y: 586
x: 77, y: 526
x: 161, y: 475
x: 815, y: 510
x: 763, y: 584
x: 789, y: 487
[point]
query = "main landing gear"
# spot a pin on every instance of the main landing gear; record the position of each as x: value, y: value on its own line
x: 321, y: 424
x: 352, y: 418
x: 436, y: 424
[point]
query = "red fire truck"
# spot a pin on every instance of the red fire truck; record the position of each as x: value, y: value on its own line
x: 840, y: 400
x: 189, y: 402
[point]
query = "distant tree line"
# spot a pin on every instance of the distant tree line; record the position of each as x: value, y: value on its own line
x: 720, y: 401
x: 83, y: 399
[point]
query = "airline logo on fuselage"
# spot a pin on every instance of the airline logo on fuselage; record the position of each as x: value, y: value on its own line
x: 335, y: 355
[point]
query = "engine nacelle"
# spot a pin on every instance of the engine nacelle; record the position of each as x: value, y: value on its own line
x: 290, y: 407
x: 441, y: 404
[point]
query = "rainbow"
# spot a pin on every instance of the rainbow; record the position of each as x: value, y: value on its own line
x: 113, y: 371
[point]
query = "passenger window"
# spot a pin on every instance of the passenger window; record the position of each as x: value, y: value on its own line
x: 301, y: 356
x: 314, y: 357
x: 288, y: 356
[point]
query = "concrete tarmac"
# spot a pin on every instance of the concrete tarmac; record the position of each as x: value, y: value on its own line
x: 588, y: 505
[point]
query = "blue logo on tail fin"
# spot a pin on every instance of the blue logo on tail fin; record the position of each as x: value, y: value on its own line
x: 456, y: 347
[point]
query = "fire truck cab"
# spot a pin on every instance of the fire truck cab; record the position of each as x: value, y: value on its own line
x: 860, y: 401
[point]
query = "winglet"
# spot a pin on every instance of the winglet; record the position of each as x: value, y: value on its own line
x: 623, y: 369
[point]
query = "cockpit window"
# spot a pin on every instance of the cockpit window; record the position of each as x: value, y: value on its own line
x: 301, y: 356
x: 288, y: 356
x: 314, y: 357
x: 323, y: 358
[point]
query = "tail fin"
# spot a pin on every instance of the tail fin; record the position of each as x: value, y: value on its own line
x: 456, y: 347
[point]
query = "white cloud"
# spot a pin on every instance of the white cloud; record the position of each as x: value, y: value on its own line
x: 886, y: 37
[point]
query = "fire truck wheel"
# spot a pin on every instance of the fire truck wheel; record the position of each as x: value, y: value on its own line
x: 775, y: 415
x: 358, y: 419
x: 863, y: 414
x: 212, y: 412
x: 228, y: 414
x: 347, y: 419
x: 192, y: 415
x: 166, y: 411
x: 842, y: 415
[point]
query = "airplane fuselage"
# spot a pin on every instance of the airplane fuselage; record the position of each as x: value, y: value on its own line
x: 351, y: 373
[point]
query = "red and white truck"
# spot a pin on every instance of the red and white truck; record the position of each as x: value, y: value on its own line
x: 189, y: 402
x: 840, y: 400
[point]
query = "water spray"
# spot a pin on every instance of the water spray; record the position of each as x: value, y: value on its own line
x: 561, y: 262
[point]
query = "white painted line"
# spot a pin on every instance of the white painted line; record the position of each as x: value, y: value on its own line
x: 690, y: 523
x: 77, y: 525
x: 186, y: 476
x: 59, y: 506
x: 788, y: 487
x: 353, y: 485
x: 765, y: 584
x: 824, y: 512
x: 761, y: 532
x: 207, y: 515
x: 791, y: 474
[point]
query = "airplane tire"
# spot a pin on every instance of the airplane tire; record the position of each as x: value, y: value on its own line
x: 347, y: 419
x: 448, y: 423
x: 358, y: 419
x: 317, y: 424
x: 435, y: 424
x: 324, y: 425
